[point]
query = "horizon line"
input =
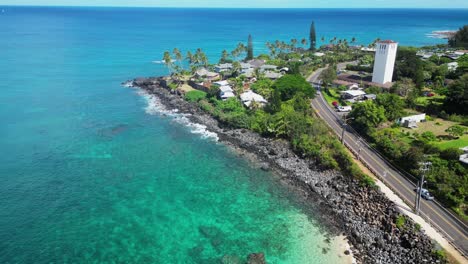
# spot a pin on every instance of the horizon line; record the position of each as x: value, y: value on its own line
x: 211, y: 7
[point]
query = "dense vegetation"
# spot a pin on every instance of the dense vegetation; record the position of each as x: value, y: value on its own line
x: 288, y: 116
x: 448, y: 178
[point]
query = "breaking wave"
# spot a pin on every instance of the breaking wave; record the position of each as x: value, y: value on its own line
x: 156, y: 107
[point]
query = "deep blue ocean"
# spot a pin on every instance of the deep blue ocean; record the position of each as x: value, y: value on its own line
x: 92, y: 172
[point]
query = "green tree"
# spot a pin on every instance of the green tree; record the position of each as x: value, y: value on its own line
x: 190, y: 58
x: 236, y: 68
x: 293, y: 44
x: 312, y: 37
x: 224, y: 56
x: 177, y: 54
x: 263, y: 87
x: 168, y: 60
x: 328, y: 76
x: 460, y: 39
x: 456, y: 100
x: 392, y: 104
x: 456, y: 131
x: 304, y: 42
x: 290, y: 84
x: 250, y: 54
x: 403, y: 87
x: 428, y: 136
x: 367, y: 115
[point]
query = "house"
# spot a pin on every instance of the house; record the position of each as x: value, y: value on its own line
x: 268, y: 67
x: 226, y: 92
x: 353, y: 94
x: 221, y: 83
x: 452, y: 66
x: 256, y: 63
x: 368, y: 49
x: 273, y: 75
x: 424, y: 55
x: 222, y: 67
x: 338, y: 83
x: 204, y: 73
x: 250, y: 97
x: 249, y: 73
x: 464, y: 157
x: 245, y: 67
x: 410, y: 121
x: 353, y: 86
x: 370, y: 96
x: 319, y: 54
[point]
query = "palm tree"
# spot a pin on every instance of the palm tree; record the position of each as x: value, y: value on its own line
x: 177, y: 54
x: 293, y: 44
x: 304, y: 42
x: 323, y: 39
x: 167, y: 60
x: 178, y: 58
x: 272, y: 49
x: 224, y: 56
x: 353, y: 40
x: 236, y: 68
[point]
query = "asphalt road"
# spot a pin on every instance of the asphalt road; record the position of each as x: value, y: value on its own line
x: 453, y: 229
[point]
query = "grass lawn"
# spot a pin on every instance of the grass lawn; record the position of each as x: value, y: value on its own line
x: 424, y: 100
x: 457, y: 143
x: 332, y: 96
x: 438, y: 127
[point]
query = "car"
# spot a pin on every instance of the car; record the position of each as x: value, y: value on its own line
x: 425, y: 194
x: 344, y: 108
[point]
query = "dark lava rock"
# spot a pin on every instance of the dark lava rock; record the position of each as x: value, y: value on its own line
x: 256, y: 258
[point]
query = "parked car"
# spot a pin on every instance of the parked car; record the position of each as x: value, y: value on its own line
x: 344, y: 108
x: 425, y: 194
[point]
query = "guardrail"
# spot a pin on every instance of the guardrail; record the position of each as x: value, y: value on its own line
x: 383, y: 178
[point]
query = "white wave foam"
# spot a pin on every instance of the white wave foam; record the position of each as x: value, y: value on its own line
x: 161, y: 61
x: 128, y: 84
x: 155, y: 107
x: 196, y: 128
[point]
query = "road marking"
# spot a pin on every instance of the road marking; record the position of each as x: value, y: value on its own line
x: 333, y: 117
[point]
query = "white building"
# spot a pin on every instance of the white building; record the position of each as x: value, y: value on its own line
x: 410, y: 121
x: 464, y: 156
x: 384, y: 62
x: 352, y: 94
x: 249, y: 97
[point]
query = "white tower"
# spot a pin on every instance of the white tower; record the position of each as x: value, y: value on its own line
x: 384, y: 62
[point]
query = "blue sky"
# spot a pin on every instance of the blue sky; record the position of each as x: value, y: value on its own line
x: 251, y: 3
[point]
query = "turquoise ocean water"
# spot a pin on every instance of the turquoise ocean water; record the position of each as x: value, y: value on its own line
x: 92, y: 172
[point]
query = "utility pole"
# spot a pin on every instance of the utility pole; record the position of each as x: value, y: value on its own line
x: 345, y: 120
x: 424, y: 167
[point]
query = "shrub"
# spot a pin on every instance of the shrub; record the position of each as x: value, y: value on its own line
x: 456, y: 131
x: 428, y: 136
x: 172, y: 86
x: 451, y: 153
x: 440, y: 254
x: 417, y: 227
x: 400, y: 222
x: 195, y: 96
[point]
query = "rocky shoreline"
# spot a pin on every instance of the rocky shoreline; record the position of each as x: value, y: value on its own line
x: 361, y: 213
